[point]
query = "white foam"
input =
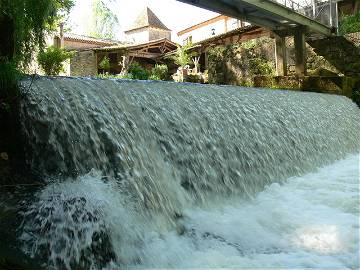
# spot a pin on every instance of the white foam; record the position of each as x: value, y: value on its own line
x: 311, y: 221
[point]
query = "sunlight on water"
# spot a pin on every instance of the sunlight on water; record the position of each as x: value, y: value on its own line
x: 299, y: 224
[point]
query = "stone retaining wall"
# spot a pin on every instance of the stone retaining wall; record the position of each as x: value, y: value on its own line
x: 346, y: 86
x: 83, y: 63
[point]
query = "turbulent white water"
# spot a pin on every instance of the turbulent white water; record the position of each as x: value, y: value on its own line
x: 310, y: 221
x: 176, y: 171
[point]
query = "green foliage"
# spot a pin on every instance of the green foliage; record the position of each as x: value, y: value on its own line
x: 9, y: 89
x: 238, y: 63
x: 138, y: 72
x: 102, y: 20
x: 28, y: 21
x: 182, y: 55
x: 105, y: 63
x: 350, y: 24
x: 259, y: 66
x: 112, y: 76
x: 51, y: 60
x: 159, y: 72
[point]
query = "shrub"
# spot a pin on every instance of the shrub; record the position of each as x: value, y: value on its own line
x: 9, y: 89
x: 105, y: 63
x: 350, y: 24
x: 51, y: 60
x: 159, y: 72
x: 182, y: 55
x: 138, y: 72
x: 259, y: 66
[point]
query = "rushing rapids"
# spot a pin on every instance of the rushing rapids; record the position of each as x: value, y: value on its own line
x: 143, y: 175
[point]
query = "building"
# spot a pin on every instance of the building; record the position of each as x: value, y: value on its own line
x: 76, y: 42
x: 213, y: 27
x: 147, y: 41
x: 147, y: 27
x: 220, y: 30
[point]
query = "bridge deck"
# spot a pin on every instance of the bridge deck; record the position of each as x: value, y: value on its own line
x: 264, y: 13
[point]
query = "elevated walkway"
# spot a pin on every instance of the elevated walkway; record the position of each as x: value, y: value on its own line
x: 266, y: 13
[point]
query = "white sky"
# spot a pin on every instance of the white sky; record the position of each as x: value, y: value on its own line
x: 175, y: 15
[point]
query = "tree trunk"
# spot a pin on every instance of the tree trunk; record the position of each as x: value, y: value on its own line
x: 356, y: 6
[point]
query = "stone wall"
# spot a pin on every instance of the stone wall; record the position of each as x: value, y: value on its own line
x: 343, y: 52
x: 236, y: 64
x: 155, y: 33
x: 83, y: 63
x: 339, y: 85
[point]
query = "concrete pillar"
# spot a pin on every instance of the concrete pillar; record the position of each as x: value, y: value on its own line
x: 300, y: 52
x: 280, y: 55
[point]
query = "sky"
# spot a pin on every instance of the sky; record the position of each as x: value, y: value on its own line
x: 175, y: 15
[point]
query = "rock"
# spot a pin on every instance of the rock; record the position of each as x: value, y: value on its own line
x: 4, y: 156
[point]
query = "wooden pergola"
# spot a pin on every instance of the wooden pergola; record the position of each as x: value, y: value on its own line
x: 145, y: 53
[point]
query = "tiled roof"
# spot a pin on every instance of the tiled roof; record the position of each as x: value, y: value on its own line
x: 147, y: 18
x: 137, y: 45
x: 90, y: 40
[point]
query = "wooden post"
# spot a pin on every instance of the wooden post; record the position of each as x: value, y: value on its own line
x: 280, y: 55
x: 300, y: 52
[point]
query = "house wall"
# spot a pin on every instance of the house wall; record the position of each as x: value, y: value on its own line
x: 205, y: 31
x: 155, y: 33
x: 138, y: 35
x: 83, y: 63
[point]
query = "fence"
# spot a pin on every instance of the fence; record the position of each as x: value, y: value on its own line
x: 325, y: 11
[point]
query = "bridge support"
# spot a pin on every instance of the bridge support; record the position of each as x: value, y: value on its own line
x: 280, y: 55
x: 300, y: 52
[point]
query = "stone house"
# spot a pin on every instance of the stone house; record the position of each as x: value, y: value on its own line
x: 147, y: 27
x: 147, y: 41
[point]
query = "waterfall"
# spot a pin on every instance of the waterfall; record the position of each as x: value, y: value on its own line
x: 120, y: 159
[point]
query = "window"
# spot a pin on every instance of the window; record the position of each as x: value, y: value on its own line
x: 187, y: 40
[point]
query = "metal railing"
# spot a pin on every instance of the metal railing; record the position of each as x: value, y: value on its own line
x: 323, y: 11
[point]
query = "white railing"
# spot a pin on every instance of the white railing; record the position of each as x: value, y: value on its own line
x: 324, y: 11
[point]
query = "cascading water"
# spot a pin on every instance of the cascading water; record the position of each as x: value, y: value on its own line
x: 166, y: 175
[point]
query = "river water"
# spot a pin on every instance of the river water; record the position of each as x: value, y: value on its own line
x: 162, y: 175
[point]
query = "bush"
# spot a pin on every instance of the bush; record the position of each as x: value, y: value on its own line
x: 105, y: 63
x: 159, y: 72
x: 350, y: 24
x: 9, y: 89
x: 137, y: 72
x: 183, y: 56
x: 51, y: 60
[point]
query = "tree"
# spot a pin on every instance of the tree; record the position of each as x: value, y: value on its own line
x: 182, y: 55
x: 23, y: 25
x: 51, y: 60
x: 103, y: 20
